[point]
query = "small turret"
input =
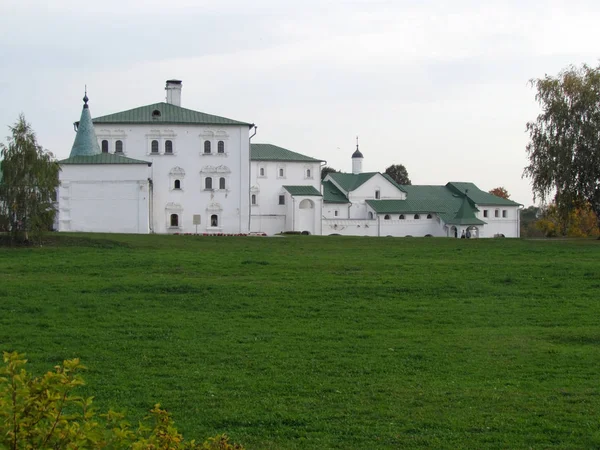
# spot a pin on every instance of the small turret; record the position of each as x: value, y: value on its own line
x: 86, y: 142
x: 357, y: 159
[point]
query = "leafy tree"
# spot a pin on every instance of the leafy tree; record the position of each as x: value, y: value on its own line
x: 326, y: 170
x: 500, y: 192
x: 529, y: 219
x: 580, y: 222
x: 564, y: 145
x: 28, y: 185
x: 398, y: 173
x: 43, y: 412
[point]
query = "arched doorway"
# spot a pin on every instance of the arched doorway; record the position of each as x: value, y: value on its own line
x: 306, y: 216
x: 453, y: 232
x: 473, y: 232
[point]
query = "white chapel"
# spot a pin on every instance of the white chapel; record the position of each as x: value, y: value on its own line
x: 162, y: 168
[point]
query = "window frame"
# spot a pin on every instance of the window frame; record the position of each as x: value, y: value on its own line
x: 176, y: 217
x: 221, y: 147
x: 168, y: 147
x: 505, y: 214
x: 154, y: 145
x: 119, y: 146
x: 281, y: 199
x: 222, y: 183
x: 177, y: 184
x: 208, y: 183
x: 377, y: 194
x: 104, y: 146
x: 417, y: 217
x: 207, y: 147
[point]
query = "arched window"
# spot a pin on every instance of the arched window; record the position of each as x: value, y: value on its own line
x: 222, y: 183
x: 386, y: 217
x: 417, y: 217
x: 119, y: 147
x: 221, y: 147
x: 214, y: 220
x: 154, y: 147
x: 429, y: 216
x: 168, y: 146
x: 174, y: 220
x: 177, y: 184
x: 307, y: 173
x: 306, y: 204
x: 254, y: 199
x: 401, y: 217
x: 377, y: 194
x: 155, y: 114
x: 104, y: 146
x: 281, y: 172
x: 206, y: 146
x: 208, y: 183
x: 370, y: 215
x: 262, y: 171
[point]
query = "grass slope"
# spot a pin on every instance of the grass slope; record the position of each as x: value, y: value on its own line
x: 311, y: 342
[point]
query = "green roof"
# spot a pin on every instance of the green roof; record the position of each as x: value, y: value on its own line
x: 331, y: 194
x: 270, y: 152
x: 103, y: 158
x: 309, y: 191
x: 351, y: 181
x: 478, y: 196
x: 466, y: 214
x: 429, y: 199
x: 166, y: 113
x: 86, y: 142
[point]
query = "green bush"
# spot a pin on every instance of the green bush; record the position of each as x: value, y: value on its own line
x: 44, y: 413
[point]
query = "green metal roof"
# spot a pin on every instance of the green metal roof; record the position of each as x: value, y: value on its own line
x: 331, y: 194
x: 103, y: 158
x: 465, y: 214
x: 166, y: 113
x: 309, y: 191
x: 270, y: 152
x: 478, y: 196
x: 86, y: 142
x: 429, y: 199
x: 351, y: 181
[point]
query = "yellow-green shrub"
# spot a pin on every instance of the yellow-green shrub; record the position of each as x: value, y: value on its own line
x: 44, y: 413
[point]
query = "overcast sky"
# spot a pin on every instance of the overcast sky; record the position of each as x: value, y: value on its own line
x: 439, y: 86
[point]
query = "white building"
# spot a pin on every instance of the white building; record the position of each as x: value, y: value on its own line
x: 161, y: 168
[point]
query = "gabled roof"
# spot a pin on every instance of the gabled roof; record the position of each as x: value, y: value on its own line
x: 166, y: 113
x: 478, y: 196
x: 270, y: 152
x: 309, y: 191
x: 391, y: 180
x: 331, y: 194
x: 102, y: 158
x: 351, y: 181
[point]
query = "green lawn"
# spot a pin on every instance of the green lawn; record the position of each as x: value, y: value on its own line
x: 323, y: 342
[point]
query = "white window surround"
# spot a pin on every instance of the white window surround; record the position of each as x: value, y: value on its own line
x: 176, y: 173
x: 262, y: 172
x: 281, y: 171
x: 161, y: 137
x: 112, y: 136
x: 173, y: 208
x: 214, y: 138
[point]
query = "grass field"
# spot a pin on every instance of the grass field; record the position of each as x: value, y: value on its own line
x: 314, y: 342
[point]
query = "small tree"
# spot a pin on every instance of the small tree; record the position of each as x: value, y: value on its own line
x: 398, y: 173
x: 326, y: 170
x: 564, y: 140
x: 500, y: 192
x: 28, y: 185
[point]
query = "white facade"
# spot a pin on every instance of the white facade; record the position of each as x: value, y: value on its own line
x: 189, y: 177
x: 104, y: 198
x: 164, y: 169
x: 273, y: 209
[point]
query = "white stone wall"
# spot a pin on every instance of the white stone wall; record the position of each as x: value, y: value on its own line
x: 500, y: 220
x: 268, y: 216
x: 191, y: 166
x: 349, y: 227
x: 104, y: 198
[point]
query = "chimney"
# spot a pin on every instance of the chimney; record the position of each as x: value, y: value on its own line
x: 173, y: 92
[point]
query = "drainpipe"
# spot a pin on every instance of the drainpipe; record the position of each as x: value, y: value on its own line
x: 250, y: 179
x: 151, y: 205
x: 294, y: 214
x: 378, y: 225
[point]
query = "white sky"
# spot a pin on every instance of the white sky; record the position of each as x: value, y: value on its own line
x: 439, y: 86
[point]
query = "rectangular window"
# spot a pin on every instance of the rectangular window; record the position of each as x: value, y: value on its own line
x: 335, y: 213
x: 282, y: 199
x: 496, y: 213
x: 485, y: 213
x: 377, y: 194
x: 504, y: 213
